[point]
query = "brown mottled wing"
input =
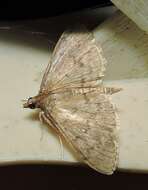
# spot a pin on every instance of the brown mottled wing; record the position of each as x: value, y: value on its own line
x: 88, y: 122
x: 76, y: 61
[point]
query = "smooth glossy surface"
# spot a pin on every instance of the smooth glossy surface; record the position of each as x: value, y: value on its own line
x: 23, y: 59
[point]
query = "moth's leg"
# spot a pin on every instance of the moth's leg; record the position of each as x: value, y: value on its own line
x: 44, y: 118
x: 41, y: 120
x: 61, y: 148
x: 41, y: 113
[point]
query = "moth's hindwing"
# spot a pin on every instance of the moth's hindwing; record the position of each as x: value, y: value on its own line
x: 88, y: 122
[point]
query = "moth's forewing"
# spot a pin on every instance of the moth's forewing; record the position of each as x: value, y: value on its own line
x: 88, y: 122
x: 76, y: 62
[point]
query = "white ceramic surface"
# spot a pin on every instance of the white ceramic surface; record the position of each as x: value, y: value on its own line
x: 23, y: 59
x: 137, y: 10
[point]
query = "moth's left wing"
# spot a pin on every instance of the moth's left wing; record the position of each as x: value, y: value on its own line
x: 88, y: 122
x: 76, y: 62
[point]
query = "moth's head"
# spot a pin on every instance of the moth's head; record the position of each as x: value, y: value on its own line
x: 31, y: 103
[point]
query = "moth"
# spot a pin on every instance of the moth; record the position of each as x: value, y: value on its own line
x: 75, y: 103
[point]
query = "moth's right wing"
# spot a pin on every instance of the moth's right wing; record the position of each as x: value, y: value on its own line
x: 76, y: 62
x: 88, y: 122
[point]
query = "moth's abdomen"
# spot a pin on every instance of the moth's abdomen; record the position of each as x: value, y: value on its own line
x: 79, y: 91
x: 99, y: 90
x: 110, y: 90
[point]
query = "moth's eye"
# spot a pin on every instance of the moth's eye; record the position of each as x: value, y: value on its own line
x: 32, y: 106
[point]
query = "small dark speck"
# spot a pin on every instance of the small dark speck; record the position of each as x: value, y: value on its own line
x: 135, y: 45
x: 81, y: 64
x: 6, y: 126
x: 122, y: 49
x: 77, y: 137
